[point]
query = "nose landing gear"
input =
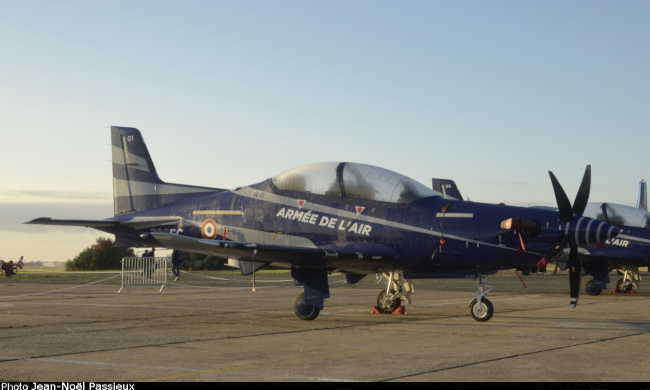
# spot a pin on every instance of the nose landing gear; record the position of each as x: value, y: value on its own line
x: 480, y: 307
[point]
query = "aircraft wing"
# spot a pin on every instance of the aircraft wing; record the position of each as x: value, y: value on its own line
x: 625, y: 257
x: 136, y: 223
x: 289, y: 255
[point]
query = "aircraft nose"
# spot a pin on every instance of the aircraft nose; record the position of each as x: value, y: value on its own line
x: 588, y: 231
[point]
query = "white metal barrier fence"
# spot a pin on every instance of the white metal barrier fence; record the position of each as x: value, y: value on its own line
x: 144, y: 271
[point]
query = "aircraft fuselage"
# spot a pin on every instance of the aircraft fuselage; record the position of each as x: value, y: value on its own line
x: 420, y: 235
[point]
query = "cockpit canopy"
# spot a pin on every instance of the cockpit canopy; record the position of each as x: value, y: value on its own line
x: 618, y: 214
x: 352, y: 180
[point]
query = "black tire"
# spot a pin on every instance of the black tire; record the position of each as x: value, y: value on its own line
x: 387, y: 306
x: 483, y: 313
x: 591, y: 290
x: 303, y: 310
x: 623, y: 287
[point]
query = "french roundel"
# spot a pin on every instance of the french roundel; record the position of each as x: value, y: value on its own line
x: 209, y: 229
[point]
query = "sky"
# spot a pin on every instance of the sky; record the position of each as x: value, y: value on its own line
x: 491, y: 94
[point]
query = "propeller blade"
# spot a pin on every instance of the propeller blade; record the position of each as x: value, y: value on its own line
x: 574, y: 275
x: 582, y: 197
x: 563, y: 203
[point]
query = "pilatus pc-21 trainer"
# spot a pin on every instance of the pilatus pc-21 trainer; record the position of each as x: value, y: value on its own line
x: 344, y: 217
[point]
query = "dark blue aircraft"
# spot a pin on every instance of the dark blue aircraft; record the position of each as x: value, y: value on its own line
x: 347, y: 217
x: 625, y: 253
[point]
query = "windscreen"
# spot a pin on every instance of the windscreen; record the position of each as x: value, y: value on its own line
x: 373, y: 183
x: 360, y: 181
x: 319, y: 178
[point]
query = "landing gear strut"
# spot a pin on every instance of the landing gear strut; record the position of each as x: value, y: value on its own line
x: 398, y: 288
x: 629, y: 281
x: 481, y: 308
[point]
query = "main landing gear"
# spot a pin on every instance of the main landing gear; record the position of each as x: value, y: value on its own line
x: 481, y: 308
x: 625, y: 285
x: 399, y: 289
x: 628, y: 282
x: 592, y: 289
x: 390, y: 299
x: 304, y: 311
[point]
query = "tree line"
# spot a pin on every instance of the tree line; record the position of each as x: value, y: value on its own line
x: 105, y: 255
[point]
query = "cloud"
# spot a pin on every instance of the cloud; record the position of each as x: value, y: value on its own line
x: 15, y: 196
x: 14, y: 215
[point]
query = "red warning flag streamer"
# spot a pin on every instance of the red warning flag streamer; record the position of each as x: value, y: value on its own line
x: 522, y: 280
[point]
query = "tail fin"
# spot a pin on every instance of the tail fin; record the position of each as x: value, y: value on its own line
x: 447, y: 188
x: 642, y: 197
x: 136, y: 185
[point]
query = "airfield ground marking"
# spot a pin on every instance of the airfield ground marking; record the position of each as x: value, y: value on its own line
x: 63, y: 289
x: 236, y: 280
x: 163, y: 307
x: 194, y: 372
x: 169, y: 283
x: 302, y: 358
x: 191, y: 371
x: 554, y: 324
x: 87, y: 362
x: 504, y: 358
x: 457, y: 301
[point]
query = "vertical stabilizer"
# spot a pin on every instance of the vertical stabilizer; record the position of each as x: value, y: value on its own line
x: 447, y: 188
x: 642, y: 197
x: 136, y: 185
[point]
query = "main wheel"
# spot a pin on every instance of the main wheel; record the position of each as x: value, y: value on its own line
x: 482, y: 312
x: 591, y: 289
x: 386, y: 304
x: 623, y: 287
x: 303, y: 310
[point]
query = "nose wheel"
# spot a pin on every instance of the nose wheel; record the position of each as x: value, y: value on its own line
x: 481, y: 308
x: 481, y: 311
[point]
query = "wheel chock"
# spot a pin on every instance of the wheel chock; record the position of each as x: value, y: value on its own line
x: 615, y: 291
x: 399, y: 310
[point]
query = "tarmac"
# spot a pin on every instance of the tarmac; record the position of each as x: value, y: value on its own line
x: 209, y: 329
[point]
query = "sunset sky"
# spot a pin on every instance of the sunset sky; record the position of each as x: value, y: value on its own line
x: 227, y: 93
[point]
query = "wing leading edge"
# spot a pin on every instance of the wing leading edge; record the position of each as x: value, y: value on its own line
x: 136, y: 223
x: 287, y: 255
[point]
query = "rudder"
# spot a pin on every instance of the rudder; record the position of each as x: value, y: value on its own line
x: 136, y: 185
x: 642, y: 197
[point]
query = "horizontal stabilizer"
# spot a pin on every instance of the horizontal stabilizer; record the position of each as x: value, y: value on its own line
x: 73, y: 222
x: 136, y: 223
